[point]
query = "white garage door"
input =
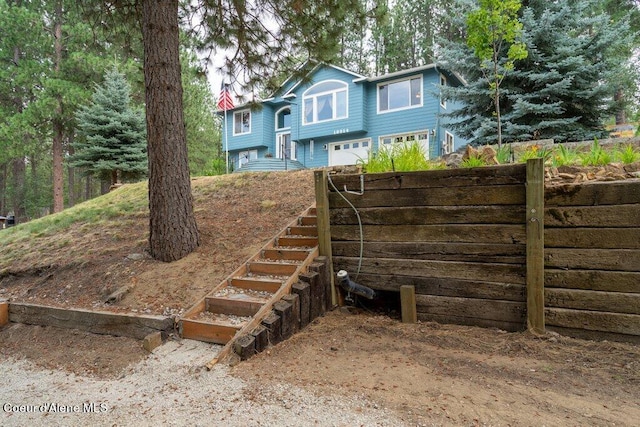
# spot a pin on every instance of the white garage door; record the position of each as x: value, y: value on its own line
x: 349, y: 153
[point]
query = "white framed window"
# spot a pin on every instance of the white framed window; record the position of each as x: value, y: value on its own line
x: 283, y: 118
x: 400, y: 94
x: 325, y: 101
x: 386, y: 142
x: 242, y: 122
x: 448, y: 144
x: 245, y: 156
x: 443, y: 82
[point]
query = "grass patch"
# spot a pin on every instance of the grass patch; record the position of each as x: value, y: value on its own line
x: 473, y: 162
x: 563, y: 156
x: 399, y: 158
x: 627, y: 154
x: 129, y: 200
x: 596, y: 156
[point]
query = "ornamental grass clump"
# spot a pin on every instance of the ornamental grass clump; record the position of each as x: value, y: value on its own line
x: 535, y: 152
x: 596, y: 156
x: 400, y: 157
x: 626, y: 155
x: 474, y: 161
x: 563, y: 156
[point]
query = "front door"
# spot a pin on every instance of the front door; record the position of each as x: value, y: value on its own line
x: 286, y: 148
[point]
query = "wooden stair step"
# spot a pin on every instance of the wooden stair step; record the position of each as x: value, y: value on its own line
x: 256, y: 283
x: 303, y: 230
x: 308, y: 220
x: 296, y: 241
x: 271, y: 268
x: 285, y: 254
x: 235, y: 304
x: 312, y: 211
x: 212, y: 328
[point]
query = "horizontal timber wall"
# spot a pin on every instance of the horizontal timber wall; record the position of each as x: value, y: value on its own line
x: 475, y: 252
x: 458, y: 236
x: 592, y: 259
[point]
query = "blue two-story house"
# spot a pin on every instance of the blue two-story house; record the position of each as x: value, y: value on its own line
x: 336, y: 117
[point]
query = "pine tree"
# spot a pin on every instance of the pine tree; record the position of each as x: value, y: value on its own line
x: 563, y: 90
x: 113, y: 134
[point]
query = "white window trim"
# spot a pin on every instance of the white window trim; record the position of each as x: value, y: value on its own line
x: 247, y: 153
x: 234, y: 122
x: 393, y: 136
x: 315, y: 104
x: 294, y: 145
x: 443, y: 82
x: 410, y: 107
x: 276, y: 119
x: 448, y: 134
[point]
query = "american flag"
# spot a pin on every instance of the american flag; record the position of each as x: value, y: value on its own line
x: 224, y: 100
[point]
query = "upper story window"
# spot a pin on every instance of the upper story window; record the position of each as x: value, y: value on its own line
x: 324, y: 101
x: 283, y: 118
x: 443, y: 82
x: 399, y: 95
x: 242, y: 122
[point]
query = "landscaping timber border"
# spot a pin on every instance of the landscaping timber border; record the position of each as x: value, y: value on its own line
x: 97, y: 322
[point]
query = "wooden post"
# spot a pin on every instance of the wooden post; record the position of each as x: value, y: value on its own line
x: 261, y: 336
x: 408, y: 304
x: 273, y: 324
x: 285, y: 311
x: 294, y: 300
x: 4, y: 313
x: 303, y: 290
x: 245, y: 346
x: 315, y: 303
x: 324, y: 227
x: 535, y: 245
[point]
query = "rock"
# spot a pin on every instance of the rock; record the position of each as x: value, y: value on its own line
x: 117, y: 295
x: 488, y: 154
x: 135, y: 257
x: 469, y: 152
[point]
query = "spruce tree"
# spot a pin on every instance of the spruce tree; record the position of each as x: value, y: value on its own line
x: 112, y: 133
x: 563, y: 90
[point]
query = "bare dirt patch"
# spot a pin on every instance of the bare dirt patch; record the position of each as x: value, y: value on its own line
x: 432, y: 374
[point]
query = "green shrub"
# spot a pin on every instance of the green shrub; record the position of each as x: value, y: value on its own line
x: 596, y: 156
x: 399, y: 157
x: 628, y: 154
x: 563, y: 156
x: 473, y: 162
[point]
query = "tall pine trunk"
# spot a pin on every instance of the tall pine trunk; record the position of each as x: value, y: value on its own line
x: 18, y: 202
x: 58, y: 128
x: 172, y: 224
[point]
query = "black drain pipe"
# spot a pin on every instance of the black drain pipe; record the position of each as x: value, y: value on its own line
x: 352, y: 287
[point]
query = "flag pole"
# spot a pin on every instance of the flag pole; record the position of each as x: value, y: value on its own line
x: 226, y: 141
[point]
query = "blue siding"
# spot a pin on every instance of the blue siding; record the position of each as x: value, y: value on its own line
x: 363, y: 120
x: 353, y: 123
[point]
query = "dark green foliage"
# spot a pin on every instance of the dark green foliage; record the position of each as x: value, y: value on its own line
x: 112, y: 134
x: 268, y: 38
x: 563, y: 90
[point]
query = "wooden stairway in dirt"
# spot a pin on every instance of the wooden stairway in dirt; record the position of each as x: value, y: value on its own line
x: 240, y: 302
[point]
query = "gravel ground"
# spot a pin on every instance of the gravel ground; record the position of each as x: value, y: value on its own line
x: 170, y: 387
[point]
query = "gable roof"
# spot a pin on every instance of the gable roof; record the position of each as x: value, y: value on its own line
x: 290, y: 93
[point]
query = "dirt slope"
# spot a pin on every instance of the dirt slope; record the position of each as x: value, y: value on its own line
x: 236, y: 215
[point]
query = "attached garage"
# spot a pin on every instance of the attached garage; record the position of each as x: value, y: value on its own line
x: 349, y: 152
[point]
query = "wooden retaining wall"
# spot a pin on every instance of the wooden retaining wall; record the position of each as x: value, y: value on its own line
x: 592, y: 259
x: 493, y: 247
x: 457, y: 236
